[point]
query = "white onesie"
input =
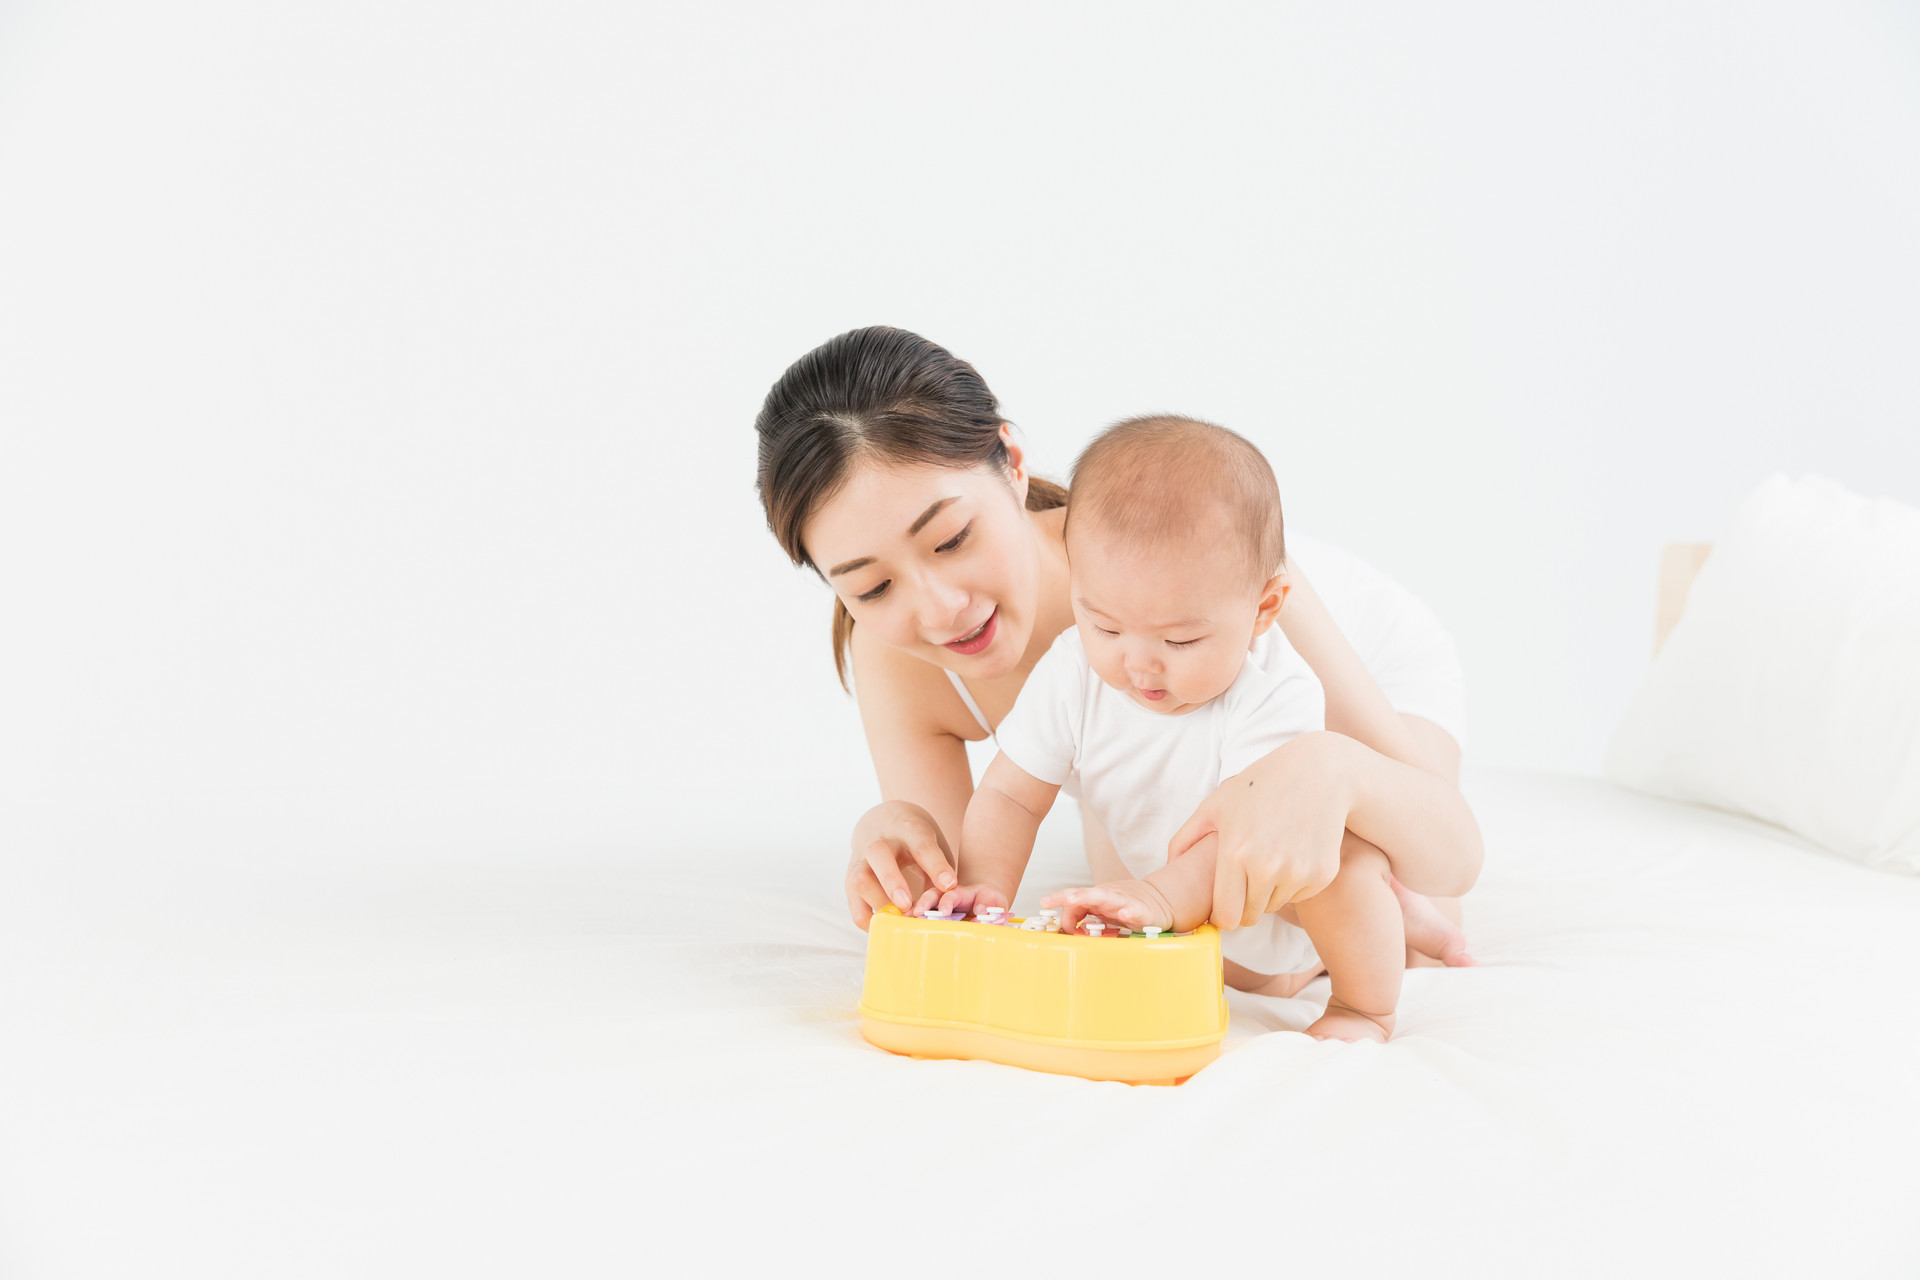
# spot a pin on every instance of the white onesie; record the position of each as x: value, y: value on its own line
x: 1142, y: 774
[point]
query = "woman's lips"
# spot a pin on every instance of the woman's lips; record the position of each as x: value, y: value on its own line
x: 981, y: 638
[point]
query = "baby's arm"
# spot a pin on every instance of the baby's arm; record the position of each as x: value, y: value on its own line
x: 996, y: 837
x: 1176, y: 897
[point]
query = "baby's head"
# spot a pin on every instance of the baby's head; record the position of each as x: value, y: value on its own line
x: 1176, y: 549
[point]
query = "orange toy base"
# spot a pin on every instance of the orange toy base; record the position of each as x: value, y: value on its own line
x: 1128, y: 1066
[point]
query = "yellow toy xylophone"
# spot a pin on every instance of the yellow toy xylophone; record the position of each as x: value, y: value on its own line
x: 1107, y: 1004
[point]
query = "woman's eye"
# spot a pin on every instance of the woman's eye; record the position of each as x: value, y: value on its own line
x: 956, y: 539
x: 870, y: 596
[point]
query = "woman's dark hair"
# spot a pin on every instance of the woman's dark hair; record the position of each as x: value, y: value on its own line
x: 876, y: 394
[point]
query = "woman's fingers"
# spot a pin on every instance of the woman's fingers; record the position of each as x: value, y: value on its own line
x: 864, y: 896
x: 1257, y: 887
x: 885, y: 864
x: 1252, y: 911
x: 1229, y: 895
x: 1316, y: 885
x: 860, y: 909
x: 933, y: 860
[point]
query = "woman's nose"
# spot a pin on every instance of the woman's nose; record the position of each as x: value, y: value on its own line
x: 941, y: 603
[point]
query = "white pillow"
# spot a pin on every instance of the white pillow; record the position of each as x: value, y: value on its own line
x: 1790, y: 688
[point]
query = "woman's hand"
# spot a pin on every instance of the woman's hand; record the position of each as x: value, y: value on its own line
x: 897, y: 847
x: 1280, y: 824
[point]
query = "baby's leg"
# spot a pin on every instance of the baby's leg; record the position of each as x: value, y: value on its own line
x: 1284, y: 985
x: 1356, y: 925
x: 1432, y: 925
x: 1433, y: 930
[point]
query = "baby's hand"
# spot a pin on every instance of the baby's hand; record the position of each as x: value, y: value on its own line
x: 1133, y: 903
x: 967, y: 897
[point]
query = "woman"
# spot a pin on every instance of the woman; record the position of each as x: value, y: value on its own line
x: 885, y: 466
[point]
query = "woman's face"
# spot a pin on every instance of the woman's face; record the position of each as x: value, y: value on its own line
x: 940, y: 562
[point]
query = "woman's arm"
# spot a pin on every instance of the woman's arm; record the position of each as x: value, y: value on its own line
x: 904, y: 844
x: 1436, y: 745
x: 1356, y: 706
x: 1419, y: 819
x: 1388, y: 778
x: 1281, y: 822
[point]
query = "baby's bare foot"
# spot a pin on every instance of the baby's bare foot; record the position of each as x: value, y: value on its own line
x: 1428, y: 932
x: 1341, y: 1023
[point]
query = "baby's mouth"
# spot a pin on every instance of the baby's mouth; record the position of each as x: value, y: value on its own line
x: 1152, y: 695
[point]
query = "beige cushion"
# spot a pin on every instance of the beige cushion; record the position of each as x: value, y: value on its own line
x: 1789, y: 689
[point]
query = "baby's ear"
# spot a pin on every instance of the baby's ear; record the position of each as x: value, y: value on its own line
x: 1273, y: 594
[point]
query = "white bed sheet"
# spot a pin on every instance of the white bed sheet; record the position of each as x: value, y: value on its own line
x: 1691, y: 1047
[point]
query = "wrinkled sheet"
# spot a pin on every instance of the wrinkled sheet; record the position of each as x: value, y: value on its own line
x: 1691, y: 1046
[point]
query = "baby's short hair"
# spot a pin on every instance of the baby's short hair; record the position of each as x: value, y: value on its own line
x: 1149, y: 480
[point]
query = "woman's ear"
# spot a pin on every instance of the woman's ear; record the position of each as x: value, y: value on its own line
x: 1273, y: 594
x: 1016, y: 462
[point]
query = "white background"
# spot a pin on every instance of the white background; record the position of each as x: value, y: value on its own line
x: 376, y: 381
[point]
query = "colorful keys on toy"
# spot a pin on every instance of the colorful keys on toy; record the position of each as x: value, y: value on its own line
x: 1047, y: 920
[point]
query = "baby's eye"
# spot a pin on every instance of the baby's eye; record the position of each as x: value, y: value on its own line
x: 870, y: 596
x: 1103, y: 631
x: 956, y: 539
x: 1181, y: 644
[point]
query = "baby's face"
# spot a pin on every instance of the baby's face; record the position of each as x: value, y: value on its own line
x: 1169, y: 627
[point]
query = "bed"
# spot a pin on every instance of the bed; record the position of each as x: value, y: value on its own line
x: 1690, y: 1047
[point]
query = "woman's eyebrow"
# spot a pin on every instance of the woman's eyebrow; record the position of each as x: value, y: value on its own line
x: 929, y: 514
x: 849, y: 566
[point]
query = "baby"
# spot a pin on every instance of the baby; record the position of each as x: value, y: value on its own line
x: 1174, y: 542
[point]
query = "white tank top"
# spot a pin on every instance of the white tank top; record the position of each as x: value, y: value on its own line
x: 960, y: 687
